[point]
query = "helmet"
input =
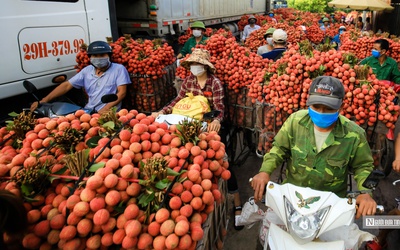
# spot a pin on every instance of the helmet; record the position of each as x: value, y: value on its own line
x: 325, y: 19
x: 198, y: 24
x: 342, y: 28
x: 99, y: 47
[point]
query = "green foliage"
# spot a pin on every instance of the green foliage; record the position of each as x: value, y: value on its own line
x: 316, y: 6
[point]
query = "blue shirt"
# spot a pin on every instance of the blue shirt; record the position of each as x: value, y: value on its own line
x: 98, y: 86
x: 274, y: 54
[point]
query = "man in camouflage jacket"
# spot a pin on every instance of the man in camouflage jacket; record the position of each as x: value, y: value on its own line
x: 320, y: 146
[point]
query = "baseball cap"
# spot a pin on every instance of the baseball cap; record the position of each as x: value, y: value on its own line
x: 326, y: 90
x: 342, y: 28
x: 279, y: 35
x: 269, y: 31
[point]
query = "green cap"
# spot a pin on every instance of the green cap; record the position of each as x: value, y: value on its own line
x: 198, y: 24
x: 325, y: 19
x: 270, y: 31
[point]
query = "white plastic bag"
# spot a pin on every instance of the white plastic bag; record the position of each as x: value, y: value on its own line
x: 270, y: 217
x: 352, y: 236
x: 251, y: 214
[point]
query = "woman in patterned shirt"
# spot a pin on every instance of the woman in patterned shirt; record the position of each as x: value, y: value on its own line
x: 201, y: 81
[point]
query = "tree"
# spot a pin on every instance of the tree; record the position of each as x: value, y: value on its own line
x: 318, y: 6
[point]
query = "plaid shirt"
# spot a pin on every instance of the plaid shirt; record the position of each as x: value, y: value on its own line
x: 213, y: 91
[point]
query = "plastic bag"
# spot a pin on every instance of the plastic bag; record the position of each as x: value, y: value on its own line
x: 192, y: 106
x: 270, y: 217
x: 251, y: 214
x: 352, y: 236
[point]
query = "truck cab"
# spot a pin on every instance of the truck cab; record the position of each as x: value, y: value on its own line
x: 42, y: 37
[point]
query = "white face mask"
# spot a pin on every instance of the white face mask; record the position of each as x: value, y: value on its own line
x: 269, y: 41
x: 197, y: 33
x: 100, y: 62
x: 197, y: 70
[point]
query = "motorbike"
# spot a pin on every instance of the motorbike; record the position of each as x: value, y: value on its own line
x: 310, y: 219
x: 56, y: 109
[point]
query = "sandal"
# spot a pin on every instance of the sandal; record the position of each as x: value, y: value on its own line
x: 237, y: 216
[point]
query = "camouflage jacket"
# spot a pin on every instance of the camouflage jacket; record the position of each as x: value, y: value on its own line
x: 346, y: 147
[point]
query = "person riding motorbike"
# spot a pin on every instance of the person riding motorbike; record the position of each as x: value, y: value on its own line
x: 203, y: 82
x: 320, y: 146
x: 383, y: 66
x: 98, y: 79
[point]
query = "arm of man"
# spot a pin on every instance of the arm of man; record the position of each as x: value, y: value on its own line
x: 60, y: 90
x: 362, y: 164
x: 121, y: 93
x: 278, y: 153
x: 245, y: 32
x: 185, y: 49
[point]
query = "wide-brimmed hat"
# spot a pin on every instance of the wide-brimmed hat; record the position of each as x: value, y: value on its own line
x: 201, y: 56
x: 252, y: 17
x: 198, y: 24
x: 326, y: 90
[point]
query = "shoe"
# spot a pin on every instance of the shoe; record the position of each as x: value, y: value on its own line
x: 237, y: 216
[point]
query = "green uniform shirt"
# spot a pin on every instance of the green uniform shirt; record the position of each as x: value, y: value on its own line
x: 191, y: 43
x: 346, y: 147
x: 389, y: 70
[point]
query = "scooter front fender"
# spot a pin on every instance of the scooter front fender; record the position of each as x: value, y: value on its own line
x: 278, y: 239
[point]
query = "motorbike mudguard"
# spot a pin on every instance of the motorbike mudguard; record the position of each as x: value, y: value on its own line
x: 280, y: 239
x: 64, y: 108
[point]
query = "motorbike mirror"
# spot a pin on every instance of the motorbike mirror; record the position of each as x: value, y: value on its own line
x: 105, y: 99
x: 109, y: 98
x: 373, y: 179
x: 31, y: 89
x: 211, y: 115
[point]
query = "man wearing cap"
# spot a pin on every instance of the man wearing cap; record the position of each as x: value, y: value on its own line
x: 252, y: 26
x: 336, y: 39
x: 320, y: 146
x: 279, y: 38
x: 270, y: 45
x: 198, y: 29
x: 325, y: 24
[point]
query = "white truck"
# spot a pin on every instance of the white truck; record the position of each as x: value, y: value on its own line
x: 42, y: 37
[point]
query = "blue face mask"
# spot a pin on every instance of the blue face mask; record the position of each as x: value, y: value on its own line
x: 323, y: 120
x: 340, y: 32
x: 376, y: 53
x: 271, y: 15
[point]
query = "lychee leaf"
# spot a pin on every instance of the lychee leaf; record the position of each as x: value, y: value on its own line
x: 96, y: 166
x: 93, y: 142
x: 162, y: 184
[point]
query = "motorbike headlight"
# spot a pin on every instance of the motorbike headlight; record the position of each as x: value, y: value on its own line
x: 304, y: 228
